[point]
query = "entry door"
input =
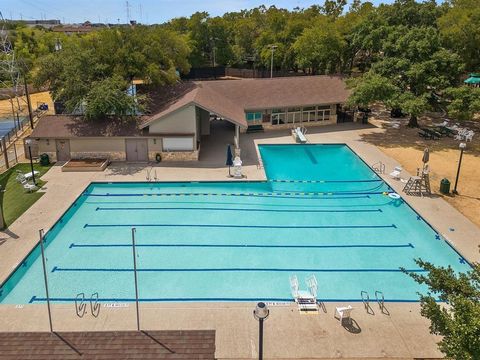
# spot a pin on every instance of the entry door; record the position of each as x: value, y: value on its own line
x: 63, y: 150
x: 136, y: 149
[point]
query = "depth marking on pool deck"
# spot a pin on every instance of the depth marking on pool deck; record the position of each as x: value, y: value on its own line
x: 247, y: 226
x: 56, y: 268
x: 409, y: 245
x: 242, y: 209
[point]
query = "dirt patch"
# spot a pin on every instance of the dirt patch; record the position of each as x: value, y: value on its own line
x: 36, y: 99
x: 406, y: 146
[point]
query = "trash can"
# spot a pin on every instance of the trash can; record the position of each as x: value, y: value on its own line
x: 445, y: 186
x: 44, y: 160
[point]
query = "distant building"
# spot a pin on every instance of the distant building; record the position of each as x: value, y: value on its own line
x: 47, y: 24
x: 70, y: 29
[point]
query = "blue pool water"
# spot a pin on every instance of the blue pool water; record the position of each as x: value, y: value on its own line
x: 322, y: 211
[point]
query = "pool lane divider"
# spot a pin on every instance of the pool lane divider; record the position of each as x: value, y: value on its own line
x: 261, y: 194
x: 36, y: 299
x: 242, y: 246
x: 323, y: 181
x: 241, y: 209
x: 57, y: 269
x: 245, y: 226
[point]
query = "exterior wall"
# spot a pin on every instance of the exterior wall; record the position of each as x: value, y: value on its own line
x: 113, y: 149
x: 204, y: 121
x: 109, y: 148
x: 182, y: 121
x: 154, y: 148
x: 180, y: 155
x: 47, y: 147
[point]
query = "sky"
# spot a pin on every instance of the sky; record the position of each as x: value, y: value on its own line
x: 144, y: 11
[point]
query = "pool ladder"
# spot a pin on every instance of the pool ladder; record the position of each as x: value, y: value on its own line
x: 379, y: 167
x: 380, y: 299
x: 81, y: 305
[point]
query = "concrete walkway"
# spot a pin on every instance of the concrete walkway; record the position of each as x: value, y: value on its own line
x: 401, y: 335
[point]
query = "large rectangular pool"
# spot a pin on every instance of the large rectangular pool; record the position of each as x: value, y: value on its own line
x: 322, y: 211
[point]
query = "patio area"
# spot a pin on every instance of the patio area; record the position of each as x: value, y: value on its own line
x: 401, y: 334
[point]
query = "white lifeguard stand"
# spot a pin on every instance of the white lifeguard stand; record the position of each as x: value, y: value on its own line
x: 237, y: 168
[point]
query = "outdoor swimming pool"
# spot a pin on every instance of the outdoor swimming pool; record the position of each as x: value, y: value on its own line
x: 322, y: 211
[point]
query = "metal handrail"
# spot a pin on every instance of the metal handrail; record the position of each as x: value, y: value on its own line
x: 94, y: 305
x: 80, y: 305
x: 380, y: 299
x: 365, y: 299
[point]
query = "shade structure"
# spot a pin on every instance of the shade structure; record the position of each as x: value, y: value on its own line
x: 426, y: 156
x: 474, y: 79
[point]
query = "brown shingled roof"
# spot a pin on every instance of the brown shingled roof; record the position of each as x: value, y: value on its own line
x: 191, y: 344
x: 62, y: 126
x: 231, y: 98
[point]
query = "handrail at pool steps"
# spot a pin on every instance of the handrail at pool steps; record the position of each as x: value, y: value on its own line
x: 378, y: 167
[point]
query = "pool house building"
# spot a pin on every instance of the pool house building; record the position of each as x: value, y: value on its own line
x: 180, y: 117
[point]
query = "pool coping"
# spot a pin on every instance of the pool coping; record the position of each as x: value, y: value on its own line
x: 266, y: 181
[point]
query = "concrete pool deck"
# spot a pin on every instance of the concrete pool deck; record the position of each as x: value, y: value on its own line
x: 401, y: 335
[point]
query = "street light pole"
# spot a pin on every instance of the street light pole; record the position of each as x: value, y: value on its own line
x: 29, y: 143
x: 272, y: 48
x: 27, y: 94
x: 462, y: 147
x: 42, y: 246
x: 260, y: 313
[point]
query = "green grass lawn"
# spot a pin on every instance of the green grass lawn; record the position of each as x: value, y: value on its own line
x: 14, y: 199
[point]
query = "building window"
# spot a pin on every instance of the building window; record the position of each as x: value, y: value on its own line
x: 254, y: 118
x: 294, y: 115
x: 309, y: 113
x: 278, y: 116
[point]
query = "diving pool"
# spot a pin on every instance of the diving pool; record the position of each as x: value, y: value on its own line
x: 322, y: 211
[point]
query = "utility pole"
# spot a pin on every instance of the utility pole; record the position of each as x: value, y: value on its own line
x: 272, y: 48
x: 29, y: 105
x: 127, y: 6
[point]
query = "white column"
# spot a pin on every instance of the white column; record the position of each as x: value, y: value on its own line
x: 237, y: 137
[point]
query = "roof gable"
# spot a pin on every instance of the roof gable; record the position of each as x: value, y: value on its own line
x: 231, y: 98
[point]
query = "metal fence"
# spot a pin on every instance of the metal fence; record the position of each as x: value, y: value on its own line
x: 19, y: 124
x: 221, y: 71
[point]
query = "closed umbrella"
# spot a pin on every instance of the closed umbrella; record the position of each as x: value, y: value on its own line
x: 229, y: 161
x: 426, y: 156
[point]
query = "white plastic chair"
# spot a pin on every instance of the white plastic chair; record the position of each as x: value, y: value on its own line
x: 395, y: 174
x: 343, y: 312
x: 29, y: 187
x: 469, y: 135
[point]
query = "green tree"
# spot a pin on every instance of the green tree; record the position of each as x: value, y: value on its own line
x: 418, y: 66
x: 319, y: 48
x: 460, y: 30
x: 463, y: 102
x: 101, y: 58
x: 457, y: 317
x: 108, y: 97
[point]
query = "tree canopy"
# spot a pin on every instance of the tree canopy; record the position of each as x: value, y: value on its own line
x: 418, y: 51
x: 457, y: 318
x: 81, y: 72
